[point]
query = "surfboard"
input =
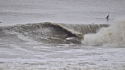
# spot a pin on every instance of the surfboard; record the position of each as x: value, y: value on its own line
x: 69, y: 38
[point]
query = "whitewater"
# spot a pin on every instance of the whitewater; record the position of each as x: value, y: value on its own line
x: 34, y: 33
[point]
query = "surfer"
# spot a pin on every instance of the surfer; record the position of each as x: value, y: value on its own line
x: 72, y: 38
x: 107, y: 17
x: 68, y: 37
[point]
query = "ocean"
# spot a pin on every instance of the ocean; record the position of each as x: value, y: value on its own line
x: 62, y: 35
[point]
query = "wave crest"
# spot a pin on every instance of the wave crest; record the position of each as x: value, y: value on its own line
x: 52, y: 32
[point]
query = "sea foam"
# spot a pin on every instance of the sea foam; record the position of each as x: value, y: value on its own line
x: 114, y: 34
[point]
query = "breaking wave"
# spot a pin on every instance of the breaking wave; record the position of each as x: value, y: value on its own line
x: 49, y: 33
x: 114, y: 35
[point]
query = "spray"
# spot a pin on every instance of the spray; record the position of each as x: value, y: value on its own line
x: 115, y: 34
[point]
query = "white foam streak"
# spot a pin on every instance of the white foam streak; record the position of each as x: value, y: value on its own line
x: 115, y: 34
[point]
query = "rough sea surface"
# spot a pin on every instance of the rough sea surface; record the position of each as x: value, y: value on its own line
x: 62, y: 35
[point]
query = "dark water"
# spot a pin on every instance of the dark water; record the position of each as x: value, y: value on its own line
x: 49, y: 32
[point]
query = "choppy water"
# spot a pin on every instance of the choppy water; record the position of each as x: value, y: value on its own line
x: 33, y: 35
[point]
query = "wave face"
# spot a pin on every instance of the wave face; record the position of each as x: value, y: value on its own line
x: 115, y: 35
x: 49, y: 33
